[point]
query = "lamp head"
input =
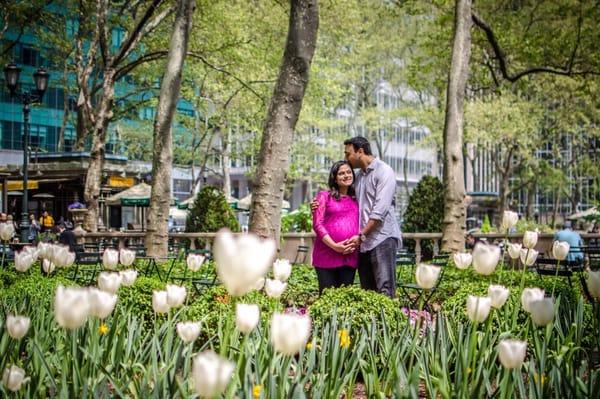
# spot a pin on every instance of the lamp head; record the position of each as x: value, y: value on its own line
x: 41, y: 78
x: 11, y: 76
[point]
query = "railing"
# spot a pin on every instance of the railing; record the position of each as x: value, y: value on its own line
x: 291, y: 241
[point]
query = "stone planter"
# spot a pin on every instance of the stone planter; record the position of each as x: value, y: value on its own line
x: 78, y: 215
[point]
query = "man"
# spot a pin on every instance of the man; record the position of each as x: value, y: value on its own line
x: 379, y: 231
x: 66, y: 237
x: 46, y: 222
x: 574, y: 240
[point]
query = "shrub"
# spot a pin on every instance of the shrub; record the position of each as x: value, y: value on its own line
x: 299, y: 220
x: 137, y: 299
x: 303, y: 287
x: 32, y: 288
x: 211, y: 212
x: 360, y: 306
x: 425, y: 211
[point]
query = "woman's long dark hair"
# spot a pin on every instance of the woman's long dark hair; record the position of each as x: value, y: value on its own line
x: 334, y: 189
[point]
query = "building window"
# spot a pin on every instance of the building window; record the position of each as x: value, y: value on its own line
x: 182, y: 186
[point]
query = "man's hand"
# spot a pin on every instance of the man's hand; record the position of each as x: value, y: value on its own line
x: 351, y: 244
x: 314, y: 204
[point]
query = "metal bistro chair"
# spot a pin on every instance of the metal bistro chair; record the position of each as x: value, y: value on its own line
x: 87, y: 266
x: 551, y: 267
x: 202, y: 279
x: 301, y: 254
x: 417, y: 292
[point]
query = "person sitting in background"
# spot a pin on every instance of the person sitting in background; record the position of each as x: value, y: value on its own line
x: 46, y: 221
x: 470, y: 241
x: 34, y: 228
x: 10, y: 219
x: 573, y: 239
x: 66, y: 237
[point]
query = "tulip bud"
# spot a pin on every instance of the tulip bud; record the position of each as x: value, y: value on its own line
x: 60, y: 255
x: 129, y: 277
x: 260, y: 283
x: 71, y: 306
x: 102, y: 303
x: 17, y: 326
x: 126, y: 257
x: 289, y: 332
x: 48, y: 266
x: 560, y: 250
x: 109, y: 282
x: 274, y: 288
x: 211, y: 374
x: 23, y: 261
x: 246, y: 317
x: 110, y: 259
x: 530, y: 239
x: 194, y: 261
x: 498, y: 294
x: 542, y: 311
x: 529, y: 295
x: 7, y: 230
x: 478, y: 308
x: 282, y: 269
x: 509, y: 220
x: 427, y: 275
x: 462, y: 260
x: 13, y: 377
x: 44, y: 250
x: 512, y: 353
x: 528, y: 256
x: 188, y: 331
x: 242, y: 261
x: 175, y: 295
x: 593, y: 283
x: 159, y: 302
x: 485, y: 258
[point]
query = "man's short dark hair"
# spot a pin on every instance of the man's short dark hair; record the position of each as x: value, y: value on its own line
x: 360, y: 142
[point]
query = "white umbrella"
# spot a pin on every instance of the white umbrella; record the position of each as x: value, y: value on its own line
x: 593, y: 211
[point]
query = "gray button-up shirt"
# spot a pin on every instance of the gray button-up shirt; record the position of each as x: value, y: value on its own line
x: 375, y: 190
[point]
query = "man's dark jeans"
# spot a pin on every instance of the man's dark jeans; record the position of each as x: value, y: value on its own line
x: 377, y: 268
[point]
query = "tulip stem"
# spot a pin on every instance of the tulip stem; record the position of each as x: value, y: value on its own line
x: 555, y: 277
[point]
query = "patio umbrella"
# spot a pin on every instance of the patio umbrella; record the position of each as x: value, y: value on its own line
x: 590, y: 212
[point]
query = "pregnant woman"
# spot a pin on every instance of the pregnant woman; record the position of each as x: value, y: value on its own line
x: 335, y: 220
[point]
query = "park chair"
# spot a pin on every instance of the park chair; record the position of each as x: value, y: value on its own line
x: 551, y: 267
x: 202, y: 279
x: 87, y: 266
x: 592, y: 255
x: 414, y: 293
x: 301, y: 255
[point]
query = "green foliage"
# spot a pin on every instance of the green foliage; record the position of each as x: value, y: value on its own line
x: 425, y: 211
x: 138, y: 298
x: 303, y: 287
x: 524, y: 225
x: 299, y: 220
x: 33, y: 287
x: 486, y: 226
x: 360, y: 306
x: 211, y: 212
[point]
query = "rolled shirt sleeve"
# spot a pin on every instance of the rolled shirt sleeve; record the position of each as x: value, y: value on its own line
x: 386, y: 190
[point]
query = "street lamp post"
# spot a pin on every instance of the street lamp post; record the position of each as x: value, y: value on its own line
x: 40, y: 77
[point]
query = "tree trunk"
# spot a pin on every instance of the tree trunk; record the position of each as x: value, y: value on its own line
x: 157, y: 232
x: 80, y: 131
x: 226, y: 159
x: 284, y: 109
x: 453, y: 231
x: 529, y: 210
x: 503, y: 195
x: 93, y: 178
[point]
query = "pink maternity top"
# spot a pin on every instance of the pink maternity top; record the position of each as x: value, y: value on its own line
x: 339, y: 219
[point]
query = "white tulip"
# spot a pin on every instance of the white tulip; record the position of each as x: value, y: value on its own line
x: 485, y: 258
x: 478, y: 308
x: 560, y: 250
x: 159, y: 302
x: 509, y: 220
x: 462, y: 260
x: 242, y: 261
x: 126, y: 257
x: 69, y: 259
x: 427, y: 275
x: 593, y: 283
x: 289, y: 332
x: 542, y: 311
x: 109, y: 282
x: 274, y: 288
x: 13, y: 377
x: 194, y: 261
x: 188, y: 331
x: 529, y: 295
x: 514, y: 250
x: 23, y: 261
x: 512, y: 353
x: 211, y: 374
x: 17, y: 326
x: 48, y: 266
x: 102, y: 303
x: 528, y: 256
x: 175, y: 295
x: 71, y: 306
x: 44, y: 250
x: 32, y: 251
x: 282, y: 269
x: 60, y: 255
x: 246, y: 317
x: 530, y: 239
x: 6, y: 231
x: 498, y: 294
x: 110, y: 259
x: 129, y: 277
x: 260, y: 283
